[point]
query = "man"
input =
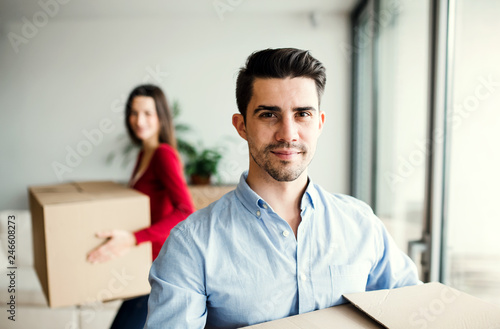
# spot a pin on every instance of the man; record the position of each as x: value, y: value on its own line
x: 278, y: 245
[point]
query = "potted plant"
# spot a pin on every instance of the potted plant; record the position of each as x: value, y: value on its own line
x: 202, y: 165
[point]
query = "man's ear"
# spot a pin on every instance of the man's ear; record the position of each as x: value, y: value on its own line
x: 239, y: 124
x: 321, y: 120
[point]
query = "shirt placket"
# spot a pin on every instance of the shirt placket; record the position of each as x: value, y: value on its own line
x: 304, y: 272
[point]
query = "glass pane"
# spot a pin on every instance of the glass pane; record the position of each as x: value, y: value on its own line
x: 363, y: 107
x: 402, y: 117
x: 473, y: 226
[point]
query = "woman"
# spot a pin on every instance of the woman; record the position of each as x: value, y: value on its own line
x: 158, y: 173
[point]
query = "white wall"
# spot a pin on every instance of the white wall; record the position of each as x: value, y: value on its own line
x: 75, y: 73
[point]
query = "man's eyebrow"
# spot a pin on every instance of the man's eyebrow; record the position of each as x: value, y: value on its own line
x: 304, y: 108
x: 278, y: 109
x: 266, y: 108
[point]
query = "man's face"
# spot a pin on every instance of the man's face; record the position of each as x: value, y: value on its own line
x: 283, y: 123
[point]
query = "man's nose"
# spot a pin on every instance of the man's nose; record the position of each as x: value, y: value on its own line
x: 287, y: 131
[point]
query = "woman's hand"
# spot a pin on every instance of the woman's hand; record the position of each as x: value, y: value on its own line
x: 119, y: 243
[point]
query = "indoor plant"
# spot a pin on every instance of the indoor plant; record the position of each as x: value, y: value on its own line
x: 202, y: 164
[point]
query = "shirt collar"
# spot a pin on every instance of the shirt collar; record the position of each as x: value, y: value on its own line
x: 246, y: 195
x: 253, y: 201
x: 310, y: 196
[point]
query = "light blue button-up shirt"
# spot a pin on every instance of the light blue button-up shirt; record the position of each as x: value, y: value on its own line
x: 237, y: 263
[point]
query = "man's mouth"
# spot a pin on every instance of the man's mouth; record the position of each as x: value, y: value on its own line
x: 286, y: 154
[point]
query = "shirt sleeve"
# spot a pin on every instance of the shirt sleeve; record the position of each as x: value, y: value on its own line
x: 394, y: 268
x: 168, y: 168
x: 178, y: 297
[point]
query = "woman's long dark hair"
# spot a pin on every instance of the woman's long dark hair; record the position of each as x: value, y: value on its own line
x: 167, y: 132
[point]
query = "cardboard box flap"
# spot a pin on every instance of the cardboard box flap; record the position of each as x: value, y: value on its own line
x: 80, y: 192
x: 344, y: 316
x: 55, y: 198
x: 98, y: 186
x: 58, y: 194
x: 432, y: 305
x: 106, y: 190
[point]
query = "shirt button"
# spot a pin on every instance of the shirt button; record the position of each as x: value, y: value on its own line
x: 303, y: 277
x: 264, y: 206
x: 258, y: 213
x: 285, y: 233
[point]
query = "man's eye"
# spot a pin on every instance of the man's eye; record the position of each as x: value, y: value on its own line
x: 304, y: 114
x: 267, y: 115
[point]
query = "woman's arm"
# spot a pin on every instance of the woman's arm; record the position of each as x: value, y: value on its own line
x: 167, y: 166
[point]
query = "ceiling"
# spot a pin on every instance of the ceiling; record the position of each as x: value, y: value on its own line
x: 91, y: 9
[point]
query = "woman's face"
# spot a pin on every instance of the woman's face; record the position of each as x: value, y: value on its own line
x: 144, y: 120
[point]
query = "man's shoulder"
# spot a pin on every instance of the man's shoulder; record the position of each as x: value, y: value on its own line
x: 340, y: 200
x: 345, y: 208
x: 348, y: 213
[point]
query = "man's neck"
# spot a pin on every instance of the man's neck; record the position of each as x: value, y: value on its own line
x: 283, y: 197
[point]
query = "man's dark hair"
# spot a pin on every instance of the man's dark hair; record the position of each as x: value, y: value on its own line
x: 277, y: 63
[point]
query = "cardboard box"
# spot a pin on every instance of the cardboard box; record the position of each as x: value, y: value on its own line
x: 427, y: 306
x: 203, y: 195
x: 65, y: 219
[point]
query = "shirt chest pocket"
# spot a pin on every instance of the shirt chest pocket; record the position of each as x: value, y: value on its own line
x: 348, y: 279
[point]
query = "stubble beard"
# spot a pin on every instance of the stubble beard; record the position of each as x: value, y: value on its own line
x: 279, y: 171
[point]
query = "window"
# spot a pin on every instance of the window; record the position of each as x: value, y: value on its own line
x: 472, y: 253
x: 426, y: 124
x: 390, y: 113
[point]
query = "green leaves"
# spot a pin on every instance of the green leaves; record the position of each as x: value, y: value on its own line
x: 203, y: 162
